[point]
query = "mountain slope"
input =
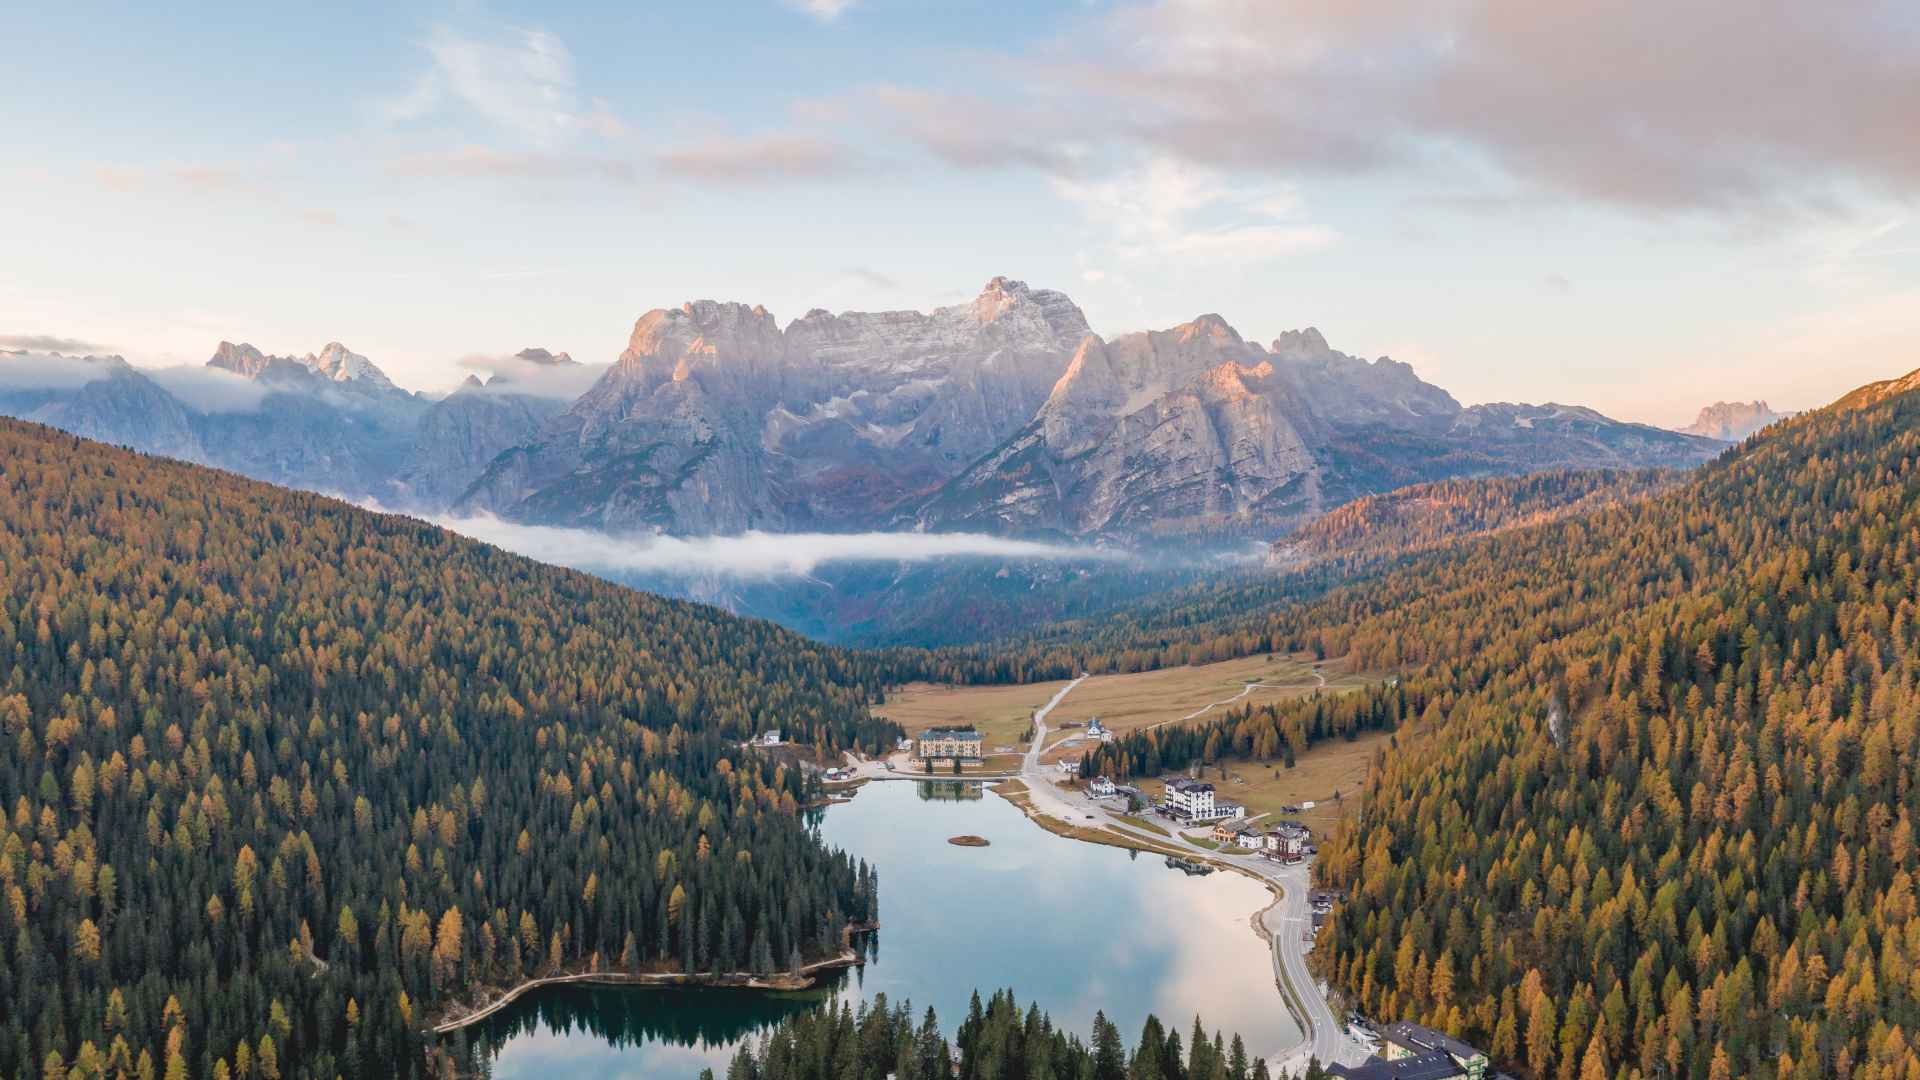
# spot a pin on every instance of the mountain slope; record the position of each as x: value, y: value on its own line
x: 284, y: 779
x: 716, y: 420
x: 1381, y: 527
x: 1165, y: 435
x: 1649, y: 811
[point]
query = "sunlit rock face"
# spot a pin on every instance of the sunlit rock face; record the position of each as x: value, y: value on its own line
x: 1160, y: 425
x: 1194, y: 425
x: 1005, y: 414
x: 1733, y: 421
x: 716, y: 419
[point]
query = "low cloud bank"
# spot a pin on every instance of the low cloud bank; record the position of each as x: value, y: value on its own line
x: 25, y: 370
x: 209, y: 389
x: 517, y: 375
x: 198, y: 387
x: 752, y: 555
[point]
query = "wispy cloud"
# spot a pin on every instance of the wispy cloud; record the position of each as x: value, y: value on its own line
x: 754, y: 555
x: 521, y: 80
x: 211, y: 181
x: 50, y: 344
x: 474, y: 161
x: 767, y: 158
x: 824, y: 10
x: 1168, y: 210
x: 517, y: 375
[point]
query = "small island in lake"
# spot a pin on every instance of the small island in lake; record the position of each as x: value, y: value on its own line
x: 968, y: 841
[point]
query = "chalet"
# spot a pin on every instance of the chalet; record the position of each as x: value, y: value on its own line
x: 1098, y: 730
x: 1101, y: 787
x: 1404, y: 1040
x: 770, y: 738
x: 1287, y: 838
x: 1068, y: 766
x: 1224, y: 833
x: 950, y: 746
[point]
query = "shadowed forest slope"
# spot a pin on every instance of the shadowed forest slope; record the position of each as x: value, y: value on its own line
x: 283, y: 778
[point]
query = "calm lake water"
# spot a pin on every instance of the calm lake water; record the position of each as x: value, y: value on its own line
x: 1078, y: 927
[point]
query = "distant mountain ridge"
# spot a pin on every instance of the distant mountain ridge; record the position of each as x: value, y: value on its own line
x: 1732, y: 421
x: 1005, y: 414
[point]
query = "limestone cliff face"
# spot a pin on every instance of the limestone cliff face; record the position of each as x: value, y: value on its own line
x: 1349, y: 391
x: 1151, y: 427
x: 717, y: 420
x: 1002, y: 414
x: 457, y: 437
x: 1190, y: 425
x: 1732, y: 421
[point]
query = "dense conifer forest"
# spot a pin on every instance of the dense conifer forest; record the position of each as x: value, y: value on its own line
x: 997, y: 1041
x: 283, y: 778
x: 1651, y: 807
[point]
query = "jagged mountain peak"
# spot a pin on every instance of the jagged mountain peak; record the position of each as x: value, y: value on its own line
x: 1306, y: 344
x: 1732, y: 421
x: 341, y: 364
x: 241, y: 359
x: 546, y: 359
x: 706, y: 328
x: 1212, y: 326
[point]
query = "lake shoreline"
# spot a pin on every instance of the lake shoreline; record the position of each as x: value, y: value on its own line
x: 806, y: 978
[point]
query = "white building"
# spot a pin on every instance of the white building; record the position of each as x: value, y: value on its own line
x: 1192, y: 800
x: 1101, y: 787
x: 1098, y: 730
x: 1068, y: 766
x: 770, y: 738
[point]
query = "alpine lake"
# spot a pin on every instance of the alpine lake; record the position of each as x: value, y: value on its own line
x: 1078, y: 927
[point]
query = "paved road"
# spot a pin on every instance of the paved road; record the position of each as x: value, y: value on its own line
x: 1286, y: 922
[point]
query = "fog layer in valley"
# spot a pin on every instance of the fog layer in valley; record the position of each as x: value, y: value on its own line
x: 752, y: 555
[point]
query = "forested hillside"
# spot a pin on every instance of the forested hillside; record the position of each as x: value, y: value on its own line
x: 1651, y: 811
x: 1425, y: 516
x: 282, y: 778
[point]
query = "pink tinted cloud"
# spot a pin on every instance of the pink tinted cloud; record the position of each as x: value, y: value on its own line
x: 1663, y: 104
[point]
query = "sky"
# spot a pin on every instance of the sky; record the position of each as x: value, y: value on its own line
x: 1642, y: 206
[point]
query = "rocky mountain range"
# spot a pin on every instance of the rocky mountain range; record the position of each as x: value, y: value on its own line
x: 1005, y: 414
x: 1732, y: 421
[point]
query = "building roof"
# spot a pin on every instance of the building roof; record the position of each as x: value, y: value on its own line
x: 1432, y: 1066
x: 1421, y: 1039
x: 1185, y: 784
x: 943, y: 734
